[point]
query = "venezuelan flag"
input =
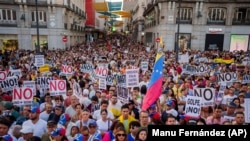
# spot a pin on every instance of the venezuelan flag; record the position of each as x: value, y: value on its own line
x: 155, y: 85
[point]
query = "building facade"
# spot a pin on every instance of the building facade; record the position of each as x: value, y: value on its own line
x: 58, y: 20
x: 203, y: 24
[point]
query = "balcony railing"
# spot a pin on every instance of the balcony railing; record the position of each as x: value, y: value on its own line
x: 39, y: 2
x: 41, y: 24
x: 241, y: 22
x: 184, y: 21
x: 216, y: 22
x: 5, y: 23
x: 7, y: 1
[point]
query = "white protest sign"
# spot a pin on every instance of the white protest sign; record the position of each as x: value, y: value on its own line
x: 227, y: 77
x: 86, y: 68
x: 67, y: 70
x: 144, y: 65
x: 247, y: 109
x: 77, y: 89
x: 246, y: 79
x: 110, y: 80
x: 22, y: 96
x: 17, y: 72
x: 102, y: 83
x: 9, y: 83
x: 30, y: 84
x: 207, y: 95
x: 3, y: 75
x: 43, y: 82
x: 102, y: 70
x: 57, y: 87
x: 132, y: 77
x: 122, y: 94
x: 193, y: 106
x: 39, y: 60
x: 121, y: 80
x: 219, y: 97
x: 183, y: 58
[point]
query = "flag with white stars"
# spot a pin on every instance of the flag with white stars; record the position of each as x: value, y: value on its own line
x: 155, y: 85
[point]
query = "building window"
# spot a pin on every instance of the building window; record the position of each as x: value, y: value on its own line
x: 41, y: 16
x: 7, y: 14
x: 186, y: 15
x: 241, y: 16
x: 217, y: 16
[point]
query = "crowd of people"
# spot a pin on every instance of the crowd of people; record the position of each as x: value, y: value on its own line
x: 99, y: 114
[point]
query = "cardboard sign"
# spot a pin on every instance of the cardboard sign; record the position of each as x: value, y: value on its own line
x: 57, y: 87
x: 22, y: 96
x: 102, y: 83
x: 227, y: 77
x: 193, y: 106
x: 132, y: 77
x: 9, y: 83
x: 110, y: 80
x: 17, y: 73
x: 67, y: 70
x: 122, y: 94
x: 101, y: 71
x: 43, y: 82
x: 3, y: 75
x: 39, y: 60
x: 86, y: 68
x: 144, y: 65
x: 30, y: 84
x: 207, y: 95
x: 44, y: 68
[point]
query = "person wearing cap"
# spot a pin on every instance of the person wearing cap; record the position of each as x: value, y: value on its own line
x: 95, y: 134
x: 6, y: 138
x: 169, y: 110
x: 37, y: 124
x: 55, y: 116
x: 59, y: 134
x: 27, y: 133
x: 229, y: 114
x: 51, y: 126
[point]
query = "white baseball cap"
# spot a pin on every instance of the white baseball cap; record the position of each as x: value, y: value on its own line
x: 26, y: 130
x: 85, y: 92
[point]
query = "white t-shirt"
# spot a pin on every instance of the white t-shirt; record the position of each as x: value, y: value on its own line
x: 44, y: 116
x: 40, y: 127
x: 97, y: 115
x: 103, y: 126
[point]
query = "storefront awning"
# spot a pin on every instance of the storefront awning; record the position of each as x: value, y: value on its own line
x: 109, y: 14
x: 115, y: 6
x: 100, y: 6
x: 122, y: 13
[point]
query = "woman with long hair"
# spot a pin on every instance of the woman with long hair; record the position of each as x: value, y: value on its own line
x: 141, y: 135
x: 110, y: 135
x: 120, y: 134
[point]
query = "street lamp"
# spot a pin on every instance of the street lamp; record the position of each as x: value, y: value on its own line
x: 37, y: 31
x: 178, y: 31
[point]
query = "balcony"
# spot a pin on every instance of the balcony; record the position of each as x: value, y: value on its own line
x: 7, y: 1
x: 41, y: 24
x: 8, y: 23
x: 241, y: 22
x: 39, y: 2
x: 150, y: 24
x: 216, y: 22
x: 184, y: 21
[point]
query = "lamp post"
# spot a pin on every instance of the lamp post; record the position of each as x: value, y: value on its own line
x: 37, y: 31
x: 178, y: 31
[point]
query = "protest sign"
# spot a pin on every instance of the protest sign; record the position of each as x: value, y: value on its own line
x: 22, y: 96
x: 57, y: 87
x: 43, y: 82
x: 132, y: 77
x: 9, y: 83
x: 102, y: 83
x: 193, y: 106
x: 39, y: 60
x: 207, y: 95
x: 122, y: 94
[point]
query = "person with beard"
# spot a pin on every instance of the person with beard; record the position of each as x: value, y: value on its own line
x: 39, y: 125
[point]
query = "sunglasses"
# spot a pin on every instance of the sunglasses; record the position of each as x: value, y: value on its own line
x: 121, y: 135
